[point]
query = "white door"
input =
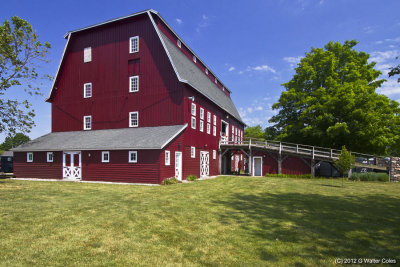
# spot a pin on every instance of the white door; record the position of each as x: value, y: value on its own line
x: 257, y: 166
x: 236, y: 163
x: 204, y: 163
x: 178, y: 165
x: 72, y: 162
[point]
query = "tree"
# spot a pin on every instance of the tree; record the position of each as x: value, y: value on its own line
x: 254, y: 132
x: 345, y: 162
x: 395, y: 71
x: 14, y: 141
x: 20, y: 52
x: 331, y: 102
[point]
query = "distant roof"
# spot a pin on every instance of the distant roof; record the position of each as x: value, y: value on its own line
x: 8, y: 154
x: 110, y: 139
x: 197, y: 79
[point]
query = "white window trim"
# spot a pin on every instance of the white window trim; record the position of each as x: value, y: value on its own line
x: 194, y: 59
x: 48, y: 157
x: 87, y: 54
x: 108, y: 156
x: 193, y: 122
x: 131, y: 89
x: 214, y: 154
x: 179, y: 43
x: 167, y: 158
x: 202, y: 113
x: 208, y: 128
x: 201, y: 126
x: 208, y: 117
x: 84, y: 123
x: 84, y: 90
x: 130, y: 119
x: 131, y: 50
x: 215, y: 119
x: 216, y: 81
x: 29, y: 159
x: 215, y: 130
x: 206, y: 71
x: 129, y: 159
x: 192, y: 152
x: 193, y: 110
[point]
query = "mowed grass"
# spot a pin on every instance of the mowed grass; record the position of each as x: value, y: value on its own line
x: 223, y: 221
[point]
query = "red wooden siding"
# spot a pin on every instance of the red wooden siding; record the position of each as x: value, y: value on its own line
x: 192, y: 165
x: 146, y: 170
x: 39, y: 168
x: 159, y: 100
x: 295, y: 165
x: 167, y: 171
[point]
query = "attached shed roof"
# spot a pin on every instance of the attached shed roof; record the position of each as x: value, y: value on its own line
x: 111, y: 139
x: 194, y: 76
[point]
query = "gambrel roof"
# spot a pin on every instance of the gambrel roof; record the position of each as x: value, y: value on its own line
x: 110, y: 139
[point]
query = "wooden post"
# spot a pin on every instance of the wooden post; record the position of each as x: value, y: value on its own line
x: 331, y: 153
x: 250, y: 161
x: 279, y: 163
x: 313, y: 153
x: 297, y: 149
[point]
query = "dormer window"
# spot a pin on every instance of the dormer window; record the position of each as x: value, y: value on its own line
x: 194, y: 59
x: 87, y: 54
x: 134, y: 44
x: 206, y: 71
x: 216, y: 81
x: 178, y: 43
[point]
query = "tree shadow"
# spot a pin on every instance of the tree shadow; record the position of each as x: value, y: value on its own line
x: 319, y: 226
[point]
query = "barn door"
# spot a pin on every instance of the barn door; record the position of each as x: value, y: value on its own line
x: 178, y: 165
x: 204, y: 163
x: 72, y: 163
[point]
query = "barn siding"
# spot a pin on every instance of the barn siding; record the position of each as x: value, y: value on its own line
x: 39, y: 168
x: 295, y: 165
x: 169, y: 171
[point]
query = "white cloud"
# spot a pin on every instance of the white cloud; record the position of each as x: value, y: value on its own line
x: 241, y: 72
x: 204, y: 17
x: 391, y: 87
x: 265, y: 68
x: 380, y: 57
x: 178, y: 20
x: 203, y: 23
x: 231, y: 68
x: 258, y: 112
x: 293, y: 61
x: 369, y: 29
x: 389, y: 40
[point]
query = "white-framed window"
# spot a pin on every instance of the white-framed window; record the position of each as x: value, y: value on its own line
x: 236, y: 130
x: 208, y: 117
x: 193, y: 109
x: 214, y: 154
x: 87, y: 90
x: 233, y: 130
x: 194, y: 59
x: 201, y: 126
x: 167, y: 157
x: 134, y: 119
x: 208, y: 128
x: 178, y: 43
x: 202, y: 113
x: 29, y: 157
x: 134, y: 83
x: 206, y: 71
x: 215, y: 130
x: 215, y: 80
x: 134, y: 44
x: 193, y: 122
x: 241, y: 156
x: 105, y: 156
x: 87, y: 122
x: 87, y: 54
x: 192, y: 152
x: 215, y: 119
x: 132, y: 156
x: 223, y: 88
x: 50, y: 156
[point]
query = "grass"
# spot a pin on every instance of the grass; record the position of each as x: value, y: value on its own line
x: 222, y: 221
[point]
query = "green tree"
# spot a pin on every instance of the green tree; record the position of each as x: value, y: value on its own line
x: 331, y: 102
x: 254, y: 132
x: 20, y: 53
x: 14, y: 141
x: 395, y: 71
x: 345, y: 162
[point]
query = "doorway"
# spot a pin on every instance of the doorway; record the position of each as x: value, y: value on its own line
x: 72, y: 165
x: 257, y: 166
x: 178, y: 165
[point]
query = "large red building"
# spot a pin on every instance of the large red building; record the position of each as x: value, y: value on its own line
x: 131, y: 102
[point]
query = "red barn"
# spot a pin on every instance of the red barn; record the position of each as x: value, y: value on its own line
x: 131, y: 102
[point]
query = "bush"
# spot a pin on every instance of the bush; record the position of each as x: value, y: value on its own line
x: 192, y: 178
x: 171, y: 180
x: 370, y: 176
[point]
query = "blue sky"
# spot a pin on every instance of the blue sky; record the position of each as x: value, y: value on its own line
x: 253, y: 46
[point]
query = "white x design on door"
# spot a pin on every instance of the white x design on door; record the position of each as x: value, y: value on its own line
x: 72, y: 165
x: 204, y: 163
x: 178, y: 165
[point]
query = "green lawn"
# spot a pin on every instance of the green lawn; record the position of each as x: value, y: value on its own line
x: 223, y: 221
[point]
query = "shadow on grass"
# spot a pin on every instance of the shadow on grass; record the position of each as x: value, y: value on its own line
x: 330, y: 185
x: 317, y: 226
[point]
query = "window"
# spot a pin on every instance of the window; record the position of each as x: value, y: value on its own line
x: 50, y: 156
x: 134, y: 119
x: 215, y: 120
x: 223, y: 89
x: 202, y: 113
x: 105, y: 156
x: 167, y: 158
x: 236, y: 130
x: 134, y: 44
x: 208, y: 128
x: 87, y: 90
x: 87, y: 54
x: 134, y: 84
x: 194, y: 59
x: 193, y: 122
x: 87, y: 122
x: 192, y: 152
x: 201, y: 126
x: 215, y: 130
x: 193, y: 109
x: 208, y: 117
x: 214, y: 154
x: 29, y: 157
x: 206, y: 71
x: 179, y: 44
x: 215, y: 80
x: 132, y: 156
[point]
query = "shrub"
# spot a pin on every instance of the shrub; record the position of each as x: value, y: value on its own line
x: 192, y: 178
x: 171, y: 180
x: 370, y: 176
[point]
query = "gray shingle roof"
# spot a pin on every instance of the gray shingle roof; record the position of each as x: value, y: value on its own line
x: 112, y: 139
x: 197, y: 79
